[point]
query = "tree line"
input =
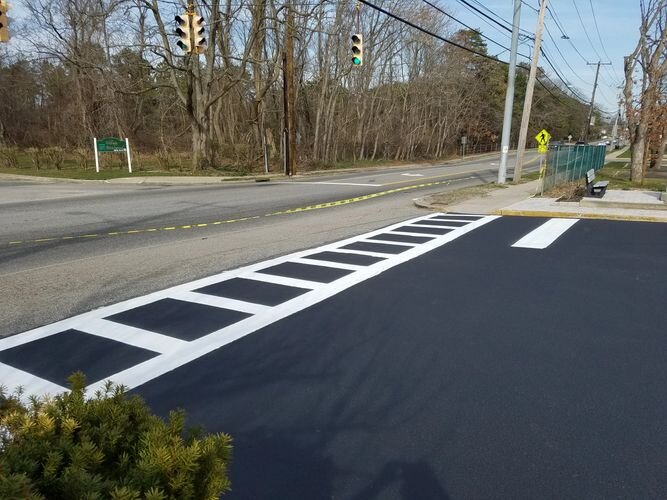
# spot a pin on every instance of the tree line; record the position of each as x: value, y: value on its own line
x: 92, y: 68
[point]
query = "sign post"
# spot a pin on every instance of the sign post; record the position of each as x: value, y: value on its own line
x: 129, y: 160
x: 111, y: 145
x: 97, y: 158
x: 542, y: 139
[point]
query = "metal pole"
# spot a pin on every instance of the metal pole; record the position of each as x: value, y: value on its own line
x: 528, y: 102
x: 509, y: 95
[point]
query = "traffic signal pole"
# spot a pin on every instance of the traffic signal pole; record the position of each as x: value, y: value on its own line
x: 528, y: 102
x: 509, y: 96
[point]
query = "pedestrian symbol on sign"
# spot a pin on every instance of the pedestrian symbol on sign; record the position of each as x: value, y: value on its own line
x: 543, y: 137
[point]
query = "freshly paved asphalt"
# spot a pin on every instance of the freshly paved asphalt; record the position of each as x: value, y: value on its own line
x: 477, y: 370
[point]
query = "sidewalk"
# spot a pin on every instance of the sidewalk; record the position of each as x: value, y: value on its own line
x: 519, y: 200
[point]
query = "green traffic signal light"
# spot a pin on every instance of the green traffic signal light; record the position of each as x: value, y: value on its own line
x: 357, y: 49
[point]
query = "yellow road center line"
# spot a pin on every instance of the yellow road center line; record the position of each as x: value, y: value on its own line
x: 319, y: 206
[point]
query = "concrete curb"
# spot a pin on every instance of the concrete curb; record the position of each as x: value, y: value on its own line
x: 583, y: 215
x: 185, y: 180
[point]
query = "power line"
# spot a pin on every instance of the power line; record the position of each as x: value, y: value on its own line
x: 564, y: 36
x: 469, y: 27
x: 450, y: 42
x: 493, y: 20
x: 561, y: 54
x: 604, y: 51
x: 428, y: 32
x: 557, y: 73
x: 585, y: 30
x: 508, y: 23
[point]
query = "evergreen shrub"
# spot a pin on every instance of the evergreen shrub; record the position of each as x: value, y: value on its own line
x: 108, y: 446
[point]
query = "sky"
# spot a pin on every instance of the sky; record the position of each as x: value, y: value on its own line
x: 618, y: 23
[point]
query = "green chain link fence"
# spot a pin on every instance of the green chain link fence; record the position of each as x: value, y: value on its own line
x: 570, y: 163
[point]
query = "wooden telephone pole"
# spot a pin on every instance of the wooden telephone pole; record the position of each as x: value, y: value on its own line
x: 289, y: 132
x: 587, y: 127
x: 528, y: 102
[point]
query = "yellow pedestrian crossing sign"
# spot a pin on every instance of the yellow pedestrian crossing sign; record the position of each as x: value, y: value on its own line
x: 543, y: 137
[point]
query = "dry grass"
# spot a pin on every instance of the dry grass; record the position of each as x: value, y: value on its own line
x: 463, y: 194
x: 571, y: 191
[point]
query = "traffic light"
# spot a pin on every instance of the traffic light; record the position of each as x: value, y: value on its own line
x: 4, y: 23
x: 357, y: 49
x: 200, y: 31
x: 183, y: 32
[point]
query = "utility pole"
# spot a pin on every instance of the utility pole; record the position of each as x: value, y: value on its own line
x: 528, y: 102
x: 509, y: 96
x: 289, y: 134
x: 614, y: 130
x: 587, y: 128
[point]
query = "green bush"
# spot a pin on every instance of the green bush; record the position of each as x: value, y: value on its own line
x: 109, y: 446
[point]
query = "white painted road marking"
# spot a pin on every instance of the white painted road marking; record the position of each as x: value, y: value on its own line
x: 174, y: 352
x: 322, y: 183
x: 546, y: 234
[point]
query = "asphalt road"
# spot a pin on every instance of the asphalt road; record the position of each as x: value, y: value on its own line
x: 66, y: 248
x: 473, y: 357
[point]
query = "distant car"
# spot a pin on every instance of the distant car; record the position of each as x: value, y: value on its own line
x: 555, y: 144
x: 580, y: 143
x: 608, y: 143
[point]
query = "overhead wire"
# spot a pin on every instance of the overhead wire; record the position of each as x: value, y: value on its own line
x: 450, y: 42
x: 604, y: 51
x: 442, y: 11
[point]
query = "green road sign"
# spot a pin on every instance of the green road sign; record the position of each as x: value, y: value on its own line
x: 110, y: 144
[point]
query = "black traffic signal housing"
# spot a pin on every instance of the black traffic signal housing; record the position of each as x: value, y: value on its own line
x: 183, y: 32
x: 357, y: 49
x: 199, y: 28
